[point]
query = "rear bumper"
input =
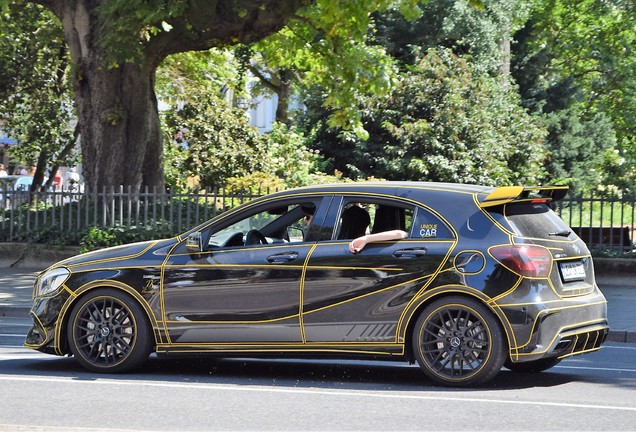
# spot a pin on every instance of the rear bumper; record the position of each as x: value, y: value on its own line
x: 560, y: 328
x: 579, y: 341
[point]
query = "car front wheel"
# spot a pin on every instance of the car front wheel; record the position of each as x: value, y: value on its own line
x: 108, y: 332
x: 457, y: 341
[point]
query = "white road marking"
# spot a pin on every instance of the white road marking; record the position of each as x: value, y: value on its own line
x: 595, y: 368
x: 632, y: 347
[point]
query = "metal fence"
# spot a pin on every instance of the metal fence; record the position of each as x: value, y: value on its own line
x: 24, y: 215
x: 603, y: 222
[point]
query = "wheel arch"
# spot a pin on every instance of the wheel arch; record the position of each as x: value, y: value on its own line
x: 83, y: 291
x: 416, y: 308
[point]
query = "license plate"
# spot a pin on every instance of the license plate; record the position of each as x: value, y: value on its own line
x: 572, y: 271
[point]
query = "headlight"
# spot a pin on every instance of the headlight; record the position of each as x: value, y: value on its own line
x: 52, y: 280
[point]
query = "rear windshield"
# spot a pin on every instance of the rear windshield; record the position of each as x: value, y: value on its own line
x: 535, y: 220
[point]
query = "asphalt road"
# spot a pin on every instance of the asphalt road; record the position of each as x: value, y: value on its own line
x: 41, y: 392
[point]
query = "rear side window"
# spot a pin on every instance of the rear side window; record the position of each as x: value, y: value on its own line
x: 429, y: 226
x: 535, y: 220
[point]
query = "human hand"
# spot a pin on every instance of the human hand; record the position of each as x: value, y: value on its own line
x: 356, y: 245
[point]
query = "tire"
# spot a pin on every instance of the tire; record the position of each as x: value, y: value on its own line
x: 109, y: 332
x: 533, y: 366
x: 459, y: 342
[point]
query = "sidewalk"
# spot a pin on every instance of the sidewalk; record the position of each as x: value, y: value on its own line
x: 16, y: 287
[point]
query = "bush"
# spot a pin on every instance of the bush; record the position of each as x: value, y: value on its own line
x: 443, y: 122
x: 102, y: 237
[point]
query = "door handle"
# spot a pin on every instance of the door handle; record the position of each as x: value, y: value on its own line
x: 410, y: 253
x: 282, y: 257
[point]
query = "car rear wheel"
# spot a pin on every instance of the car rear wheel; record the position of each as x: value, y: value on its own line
x: 533, y: 366
x: 109, y: 332
x: 457, y: 341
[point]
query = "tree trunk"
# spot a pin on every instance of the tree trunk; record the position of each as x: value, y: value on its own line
x: 120, y: 132
x: 284, y: 93
x: 117, y: 108
x: 116, y: 103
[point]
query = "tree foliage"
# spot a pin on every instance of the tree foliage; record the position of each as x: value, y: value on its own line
x: 328, y: 47
x: 115, y: 47
x: 476, y: 30
x: 35, y: 102
x: 443, y: 122
x: 214, y: 142
x: 576, y: 66
x: 429, y: 91
x: 209, y: 144
x: 578, y: 148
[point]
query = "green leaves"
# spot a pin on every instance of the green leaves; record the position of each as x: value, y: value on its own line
x: 35, y: 99
x: 327, y: 47
x: 444, y: 122
x: 213, y: 142
x: 576, y: 64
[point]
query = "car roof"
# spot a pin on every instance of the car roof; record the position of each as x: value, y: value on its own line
x: 381, y: 185
x: 399, y: 189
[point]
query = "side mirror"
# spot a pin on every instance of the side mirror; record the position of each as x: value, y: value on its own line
x: 194, y: 243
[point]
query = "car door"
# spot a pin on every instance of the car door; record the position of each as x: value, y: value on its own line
x: 359, y: 298
x: 233, y: 292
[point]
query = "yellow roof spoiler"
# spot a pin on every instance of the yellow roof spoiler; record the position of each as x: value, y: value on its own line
x: 508, y: 194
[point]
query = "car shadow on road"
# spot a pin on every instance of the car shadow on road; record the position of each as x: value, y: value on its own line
x: 327, y: 374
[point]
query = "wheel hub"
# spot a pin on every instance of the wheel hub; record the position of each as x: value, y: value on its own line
x: 105, y: 331
x: 455, y: 342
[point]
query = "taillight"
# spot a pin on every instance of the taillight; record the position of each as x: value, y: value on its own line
x: 526, y: 260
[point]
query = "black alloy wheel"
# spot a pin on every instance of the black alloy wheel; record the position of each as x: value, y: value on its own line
x: 109, y: 332
x: 457, y: 341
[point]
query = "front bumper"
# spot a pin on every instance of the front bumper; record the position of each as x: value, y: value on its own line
x: 45, y: 334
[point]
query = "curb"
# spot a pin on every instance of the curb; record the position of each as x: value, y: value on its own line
x: 34, y: 255
x: 621, y: 336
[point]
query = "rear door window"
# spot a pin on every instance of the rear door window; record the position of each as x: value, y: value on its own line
x: 373, y: 216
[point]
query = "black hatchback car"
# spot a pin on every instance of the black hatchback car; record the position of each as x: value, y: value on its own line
x: 486, y: 277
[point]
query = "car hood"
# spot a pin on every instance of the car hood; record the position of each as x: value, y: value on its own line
x: 142, y: 253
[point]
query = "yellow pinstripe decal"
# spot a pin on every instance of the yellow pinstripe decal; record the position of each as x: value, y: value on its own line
x: 162, y: 302
x: 599, y: 321
x: 301, y: 303
x: 547, y: 311
x: 422, y: 290
x: 510, y: 291
x: 307, y: 345
x: 118, y: 258
x: 163, y: 348
x: 468, y: 251
x: 103, y: 283
x: 46, y: 333
x: 368, y: 295
x: 189, y: 323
